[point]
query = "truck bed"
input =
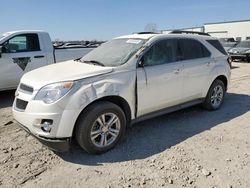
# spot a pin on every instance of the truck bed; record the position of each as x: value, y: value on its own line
x: 70, y: 53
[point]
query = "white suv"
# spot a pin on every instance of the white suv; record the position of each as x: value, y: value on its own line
x: 125, y: 80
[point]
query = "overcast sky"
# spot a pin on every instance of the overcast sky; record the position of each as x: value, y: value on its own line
x: 105, y: 19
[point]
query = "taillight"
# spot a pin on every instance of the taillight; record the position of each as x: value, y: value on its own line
x: 229, y: 60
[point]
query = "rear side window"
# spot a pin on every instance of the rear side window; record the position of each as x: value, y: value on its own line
x: 192, y: 49
x: 217, y: 45
x: 22, y: 43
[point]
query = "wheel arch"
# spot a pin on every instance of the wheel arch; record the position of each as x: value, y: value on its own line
x: 223, y: 78
x: 118, y: 100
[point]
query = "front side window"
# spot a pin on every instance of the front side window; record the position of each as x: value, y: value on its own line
x: 192, y: 49
x: 22, y: 43
x: 162, y: 52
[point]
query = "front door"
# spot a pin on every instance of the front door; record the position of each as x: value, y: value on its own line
x: 20, y: 54
x: 159, y: 80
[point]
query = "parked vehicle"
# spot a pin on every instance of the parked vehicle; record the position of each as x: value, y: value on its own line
x: 126, y: 80
x: 223, y: 40
x: 241, y: 51
x: 23, y: 51
x: 72, y: 45
x: 228, y: 45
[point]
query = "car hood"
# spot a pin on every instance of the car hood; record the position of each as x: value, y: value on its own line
x: 238, y: 50
x: 65, y: 71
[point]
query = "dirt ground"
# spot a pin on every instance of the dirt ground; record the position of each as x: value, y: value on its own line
x: 188, y: 148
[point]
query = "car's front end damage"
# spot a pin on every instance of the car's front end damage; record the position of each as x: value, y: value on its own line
x: 49, y: 111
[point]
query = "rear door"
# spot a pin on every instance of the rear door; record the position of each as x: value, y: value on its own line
x: 159, y: 80
x: 197, y: 64
x: 20, y: 54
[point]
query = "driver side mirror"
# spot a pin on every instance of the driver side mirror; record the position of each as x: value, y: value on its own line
x: 141, y: 62
x: 1, y: 51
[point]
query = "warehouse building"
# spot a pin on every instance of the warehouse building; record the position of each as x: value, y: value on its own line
x: 239, y: 30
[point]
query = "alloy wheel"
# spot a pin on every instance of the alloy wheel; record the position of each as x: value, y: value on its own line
x: 105, y: 130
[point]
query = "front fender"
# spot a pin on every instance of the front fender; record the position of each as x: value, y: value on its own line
x: 87, y: 93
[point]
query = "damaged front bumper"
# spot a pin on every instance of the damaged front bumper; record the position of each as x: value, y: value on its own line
x: 55, y: 144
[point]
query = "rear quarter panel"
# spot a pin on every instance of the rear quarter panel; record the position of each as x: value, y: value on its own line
x: 220, y: 68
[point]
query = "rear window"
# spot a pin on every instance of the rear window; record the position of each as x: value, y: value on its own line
x: 217, y: 45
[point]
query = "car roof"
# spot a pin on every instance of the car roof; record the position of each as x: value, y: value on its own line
x: 163, y: 35
x: 24, y: 31
x: 137, y: 36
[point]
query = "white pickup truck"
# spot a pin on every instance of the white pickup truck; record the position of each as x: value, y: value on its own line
x: 23, y: 51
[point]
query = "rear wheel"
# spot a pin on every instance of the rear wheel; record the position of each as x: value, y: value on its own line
x: 215, y: 95
x: 101, y: 127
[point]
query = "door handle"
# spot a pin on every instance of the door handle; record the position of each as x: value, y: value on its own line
x: 39, y: 56
x: 177, y: 71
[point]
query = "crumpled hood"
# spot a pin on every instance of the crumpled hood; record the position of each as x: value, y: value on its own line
x: 238, y: 50
x: 65, y: 71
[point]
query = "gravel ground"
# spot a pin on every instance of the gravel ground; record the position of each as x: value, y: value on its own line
x: 188, y: 148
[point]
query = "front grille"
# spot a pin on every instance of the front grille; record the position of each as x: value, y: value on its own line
x: 21, y: 104
x: 26, y: 88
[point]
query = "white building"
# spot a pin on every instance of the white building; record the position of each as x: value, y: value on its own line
x: 239, y: 30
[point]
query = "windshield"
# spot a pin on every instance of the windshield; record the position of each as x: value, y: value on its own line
x: 244, y: 44
x: 115, y: 52
x: 229, y: 44
x: 2, y: 37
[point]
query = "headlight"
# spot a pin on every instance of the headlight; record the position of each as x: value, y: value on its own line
x: 248, y: 51
x: 53, y: 92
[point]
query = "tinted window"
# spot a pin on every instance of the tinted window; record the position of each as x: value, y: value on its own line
x: 192, y: 49
x: 22, y: 43
x: 162, y: 52
x: 217, y: 45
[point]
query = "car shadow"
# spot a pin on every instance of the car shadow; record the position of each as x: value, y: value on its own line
x: 153, y: 136
x: 7, y: 98
x: 234, y: 67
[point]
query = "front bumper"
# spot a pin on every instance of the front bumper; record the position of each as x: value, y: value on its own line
x: 60, y: 145
x: 239, y: 56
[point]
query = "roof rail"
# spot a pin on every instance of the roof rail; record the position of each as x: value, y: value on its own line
x: 147, y: 32
x: 188, y: 32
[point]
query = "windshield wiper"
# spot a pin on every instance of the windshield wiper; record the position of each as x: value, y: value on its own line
x: 78, y: 59
x: 94, y: 62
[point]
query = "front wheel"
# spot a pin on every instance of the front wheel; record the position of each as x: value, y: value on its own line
x: 215, y: 95
x: 100, y: 127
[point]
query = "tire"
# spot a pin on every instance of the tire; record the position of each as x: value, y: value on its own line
x: 248, y: 58
x: 215, y: 96
x: 93, y: 131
